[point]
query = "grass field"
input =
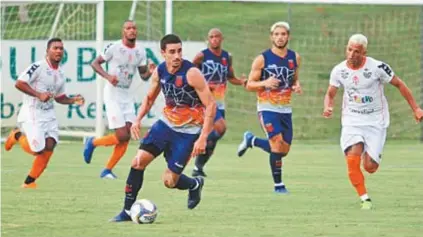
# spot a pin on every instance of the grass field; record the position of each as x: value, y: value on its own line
x: 237, y: 200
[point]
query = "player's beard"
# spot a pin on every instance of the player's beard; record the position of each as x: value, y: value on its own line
x: 281, y: 47
x: 131, y: 40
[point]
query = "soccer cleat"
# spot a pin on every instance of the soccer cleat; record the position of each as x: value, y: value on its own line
x: 366, y: 205
x: 197, y: 173
x: 11, y: 139
x: 122, y: 216
x: 281, y: 189
x: 107, y: 174
x: 88, y: 149
x: 194, y: 196
x: 246, y: 143
x: 32, y: 185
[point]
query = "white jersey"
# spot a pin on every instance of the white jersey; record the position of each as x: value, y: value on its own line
x: 364, y: 102
x: 123, y: 62
x: 42, y: 78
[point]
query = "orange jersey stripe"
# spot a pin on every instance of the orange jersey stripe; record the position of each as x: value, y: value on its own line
x: 276, y: 97
x: 180, y: 116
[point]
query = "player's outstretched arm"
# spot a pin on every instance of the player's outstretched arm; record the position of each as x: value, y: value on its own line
x: 329, y: 101
x: 96, y: 66
x: 198, y: 59
x: 297, y: 85
x: 254, y: 83
x: 146, y: 105
x: 232, y: 78
x: 408, y: 96
x: 146, y: 71
x: 198, y: 82
x: 64, y: 99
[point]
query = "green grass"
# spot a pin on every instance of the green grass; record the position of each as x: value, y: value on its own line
x: 319, y: 34
x: 237, y: 201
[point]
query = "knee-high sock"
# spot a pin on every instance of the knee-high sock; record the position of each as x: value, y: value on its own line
x: 117, y: 154
x: 38, y: 166
x: 133, y: 186
x: 355, y: 174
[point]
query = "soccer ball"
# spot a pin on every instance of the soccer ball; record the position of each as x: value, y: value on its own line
x: 143, y: 211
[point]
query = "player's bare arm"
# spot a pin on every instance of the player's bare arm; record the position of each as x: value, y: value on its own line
x: 96, y: 65
x: 296, y: 85
x: 146, y: 105
x: 197, y: 81
x: 64, y: 99
x: 254, y: 83
x: 27, y: 89
x: 146, y: 71
x: 408, y: 96
x: 198, y: 59
x: 329, y: 101
x: 232, y: 78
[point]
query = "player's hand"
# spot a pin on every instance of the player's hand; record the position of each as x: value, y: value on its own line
x: 297, y: 88
x: 327, y: 112
x: 78, y: 100
x: 113, y: 80
x: 199, y: 147
x: 135, y: 130
x: 271, y: 83
x: 418, y: 115
x: 151, y: 68
x: 45, y: 96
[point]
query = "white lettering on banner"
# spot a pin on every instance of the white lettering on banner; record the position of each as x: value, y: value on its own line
x: 80, y: 78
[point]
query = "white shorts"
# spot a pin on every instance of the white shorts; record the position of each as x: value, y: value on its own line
x: 119, y: 113
x: 37, y: 131
x: 372, y: 137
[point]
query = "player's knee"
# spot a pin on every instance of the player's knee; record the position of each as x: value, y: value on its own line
x: 220, y: 127
x: 50, y: 144
x: 123, y: 137
x: 280, y: 147
x: 138, y: 164
x: 370, y: 167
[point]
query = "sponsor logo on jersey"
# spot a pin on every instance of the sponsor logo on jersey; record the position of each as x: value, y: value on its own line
x: 291, y: 64
x: 367, y: 74
x: 224, y: 62
x: 344, y: 74
x: 178, y: 81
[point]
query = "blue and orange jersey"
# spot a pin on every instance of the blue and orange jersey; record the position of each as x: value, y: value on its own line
x: 183, y: 111
x: 277, y: 100
x: 215, y: 69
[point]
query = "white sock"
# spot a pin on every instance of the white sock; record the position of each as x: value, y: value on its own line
x: 252, y: 141
x: 364, y: 197
x: 279, y: 184
x: 128, y: 212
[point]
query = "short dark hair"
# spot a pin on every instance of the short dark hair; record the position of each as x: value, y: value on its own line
x: 52, y: 40
x: 128, y: 20
x: 169, y: 39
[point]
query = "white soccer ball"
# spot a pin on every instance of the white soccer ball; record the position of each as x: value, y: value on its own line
x: 143, y: 211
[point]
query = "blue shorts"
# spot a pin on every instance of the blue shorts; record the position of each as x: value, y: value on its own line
x: 220, y: 113
x: 176, y: 146
x: 276, y: 123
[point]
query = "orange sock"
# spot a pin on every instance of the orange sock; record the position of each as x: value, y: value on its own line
x: 107, y: 140
x: 39, y: 164
x: 23, y: 141
x: 355, y: 174
x: 117, y: 154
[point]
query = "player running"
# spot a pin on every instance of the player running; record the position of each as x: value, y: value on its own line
x: 125, y: 57
x: 181, y: 132
x: 274, y: 75
x: 42, y: 83
x: 216, y: 66
x: 365, y: 113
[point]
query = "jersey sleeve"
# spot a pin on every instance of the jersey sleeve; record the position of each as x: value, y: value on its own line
x: 143, y: 57
x: 384, y: 72
x: 334, y: 78
x: 31, y: 73
x: 107, y: 53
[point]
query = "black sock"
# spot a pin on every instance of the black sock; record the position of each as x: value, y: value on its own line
x: 29, y: 180
x: 185, y: 182
x: 276, y: 166
x: 133, y: 186
x: 202, y: 159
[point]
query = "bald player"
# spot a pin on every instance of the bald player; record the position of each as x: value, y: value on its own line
x: 274, y: 76
x: 365, y: 112
x: 216, y: 66
x: 125, y: 58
